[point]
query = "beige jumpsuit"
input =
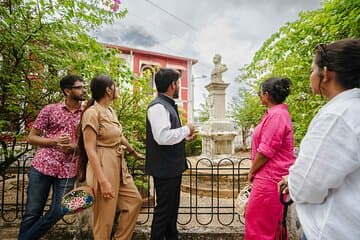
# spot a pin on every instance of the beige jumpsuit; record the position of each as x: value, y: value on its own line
x: 110, y: 153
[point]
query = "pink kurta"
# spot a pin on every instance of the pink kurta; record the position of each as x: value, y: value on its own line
x: 272, y: 137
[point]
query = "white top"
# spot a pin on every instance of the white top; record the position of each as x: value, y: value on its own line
x: 159, y: 119
x: 324, y: 181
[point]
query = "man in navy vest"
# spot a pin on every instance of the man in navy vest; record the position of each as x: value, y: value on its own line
x: 165, y: 153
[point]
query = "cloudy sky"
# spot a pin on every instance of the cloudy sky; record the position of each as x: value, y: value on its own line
x: 198, y: 29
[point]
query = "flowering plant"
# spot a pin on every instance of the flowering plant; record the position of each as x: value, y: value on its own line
x: 115, y: 5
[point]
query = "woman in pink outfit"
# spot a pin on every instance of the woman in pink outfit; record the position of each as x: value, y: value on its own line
x: 272, y: 153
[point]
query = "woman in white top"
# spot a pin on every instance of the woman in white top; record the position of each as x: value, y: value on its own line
x: 324, y: 181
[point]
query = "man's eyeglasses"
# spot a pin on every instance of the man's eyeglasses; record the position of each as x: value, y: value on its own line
x: 79, y: 87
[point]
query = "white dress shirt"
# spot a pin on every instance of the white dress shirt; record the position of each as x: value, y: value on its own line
x: 324, y: 181
x: 159, y: 119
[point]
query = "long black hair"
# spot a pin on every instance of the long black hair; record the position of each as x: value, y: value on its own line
x: 98, y: 87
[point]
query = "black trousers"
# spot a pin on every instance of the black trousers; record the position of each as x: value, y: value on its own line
x: 166, y: 210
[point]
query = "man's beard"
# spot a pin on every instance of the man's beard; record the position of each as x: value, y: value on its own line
x: 79, y: 98
x: 176, y: 93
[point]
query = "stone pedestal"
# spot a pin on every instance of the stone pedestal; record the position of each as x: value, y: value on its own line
x: 217, y: 133
x: 217, y: 138
x: 216, y: 101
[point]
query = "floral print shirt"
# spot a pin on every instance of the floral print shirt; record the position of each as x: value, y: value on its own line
x: 53, y: 120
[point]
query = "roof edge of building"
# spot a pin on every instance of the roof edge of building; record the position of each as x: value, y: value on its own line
x: 129, y: 49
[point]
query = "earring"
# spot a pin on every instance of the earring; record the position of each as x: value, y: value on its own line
x: 325, y: 72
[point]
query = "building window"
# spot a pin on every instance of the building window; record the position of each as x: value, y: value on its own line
x: 147, y: 71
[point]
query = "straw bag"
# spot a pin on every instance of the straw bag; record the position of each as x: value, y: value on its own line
x: 242, y: 199
x: 77, y: 200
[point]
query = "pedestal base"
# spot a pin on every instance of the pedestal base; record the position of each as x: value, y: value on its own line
x: 218, y: 139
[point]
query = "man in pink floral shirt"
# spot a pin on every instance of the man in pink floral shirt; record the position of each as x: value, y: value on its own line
x: 54, y: 165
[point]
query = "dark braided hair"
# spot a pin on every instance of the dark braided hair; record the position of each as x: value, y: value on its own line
x: 277, y: 88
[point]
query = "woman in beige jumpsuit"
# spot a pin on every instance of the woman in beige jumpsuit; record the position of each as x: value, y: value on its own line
x: 106, y: 171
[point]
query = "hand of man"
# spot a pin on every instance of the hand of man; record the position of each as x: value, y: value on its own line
x: 192, y: 134
x: 190, y: 137
x: 64, y: 142
x: 64, y: 138
x: 67, y: 148
x: 192, y: 128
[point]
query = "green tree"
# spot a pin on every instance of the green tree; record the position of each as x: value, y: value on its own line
x: 131, y: 107
x: 289, y: 53
x: 41, y: 42
x: 246, y: 114
x: 203, y: 112
x: 246, y: 109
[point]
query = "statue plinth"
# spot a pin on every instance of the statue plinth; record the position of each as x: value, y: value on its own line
x: 217, y: 140
x: 216, y: 100
x: 218, y: 132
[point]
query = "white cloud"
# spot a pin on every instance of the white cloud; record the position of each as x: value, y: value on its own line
x: 233, y: 28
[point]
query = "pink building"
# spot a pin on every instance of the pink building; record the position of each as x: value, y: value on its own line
x: 142, y: 60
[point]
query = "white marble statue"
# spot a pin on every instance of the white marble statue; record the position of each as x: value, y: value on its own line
x: 219, y: 68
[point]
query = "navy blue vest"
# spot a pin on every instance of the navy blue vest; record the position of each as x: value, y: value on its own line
x: 165, y: 161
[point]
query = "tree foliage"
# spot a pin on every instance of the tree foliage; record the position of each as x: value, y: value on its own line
x: 203, y: 112
x: 289, y: 53
x: 132, y: 105
x: 246, y: 108
x: 41, y: 41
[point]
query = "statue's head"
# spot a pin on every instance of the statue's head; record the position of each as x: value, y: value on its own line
x: 217, y: 58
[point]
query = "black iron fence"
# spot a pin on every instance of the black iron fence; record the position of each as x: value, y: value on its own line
x: 208, y: 195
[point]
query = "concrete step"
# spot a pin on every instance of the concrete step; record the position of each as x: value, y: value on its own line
x: 209, y: 192
x: 9, y: 232
x: 197, y: 232
x: 141, y: 233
